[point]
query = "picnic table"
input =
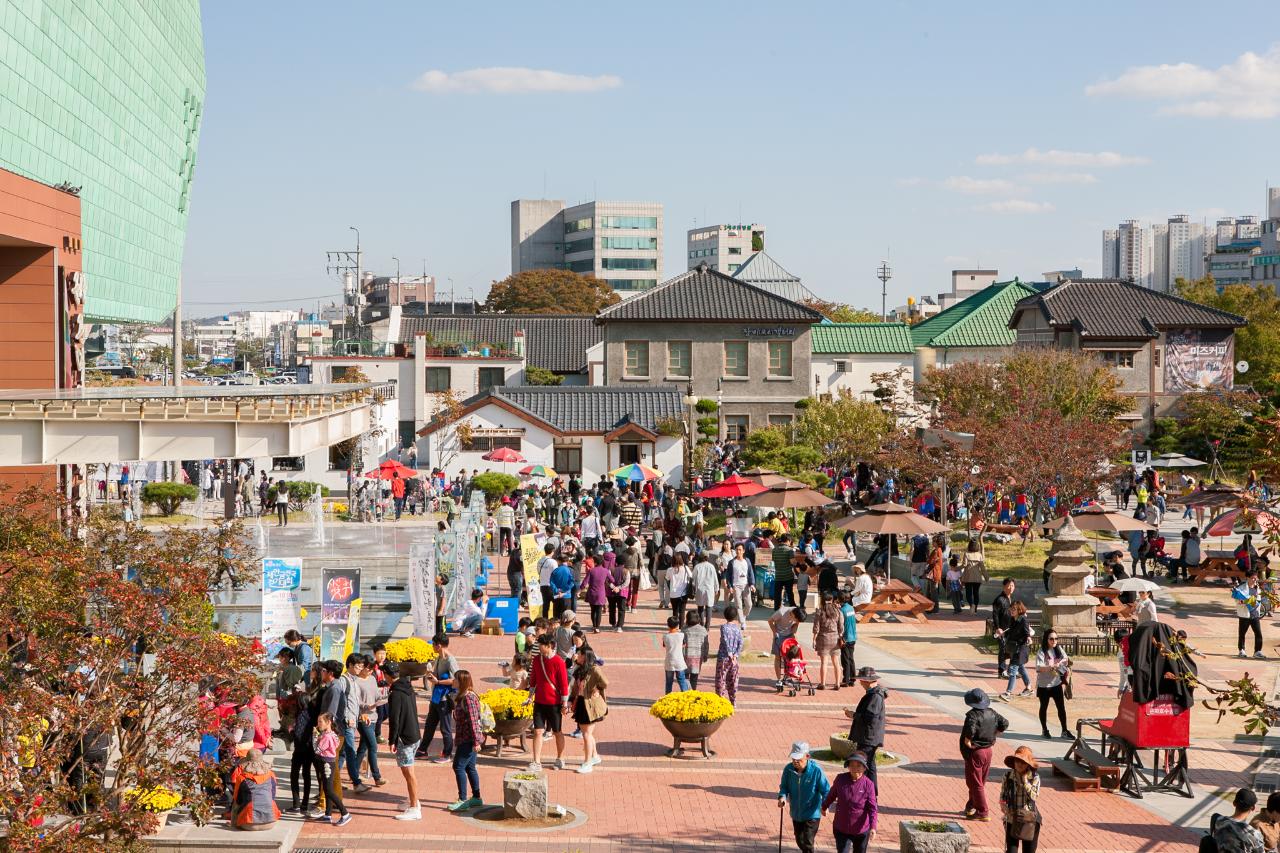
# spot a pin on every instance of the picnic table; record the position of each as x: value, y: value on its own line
x: 897, y: 598
x: 1111, y: 604
x: 1217, y: 565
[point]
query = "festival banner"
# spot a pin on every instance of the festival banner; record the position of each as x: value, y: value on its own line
x: 422, y: 588
x: 339, y: 613
x: 281, y: 581
x: 1199, y: 360
x: 531, y: 553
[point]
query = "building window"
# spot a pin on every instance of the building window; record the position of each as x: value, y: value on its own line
x: 491, y: 377
x: 483, y: 442
x: 629, y: 263
x: 629, y: 284
x: 628, y: 454
x: 287, y: 463
x: 1119, y: 359
x: 567, y: 460
x: 734, y: 267
x: 439, y: 379
x: 627, y: 222
x: 735, y: 250
x: 582, y: 244
x: 637, y: 365
x: 629, y: 243
x: 735, y: 358
x: 577, y: 225
x: 587, y: 265
x: 780, y: 420
x: 679, y: 359
x: 842, y: 367
x: 780, y: 358
x: 736, y: 426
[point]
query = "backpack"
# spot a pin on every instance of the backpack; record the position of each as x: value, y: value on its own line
x: 487, y: 722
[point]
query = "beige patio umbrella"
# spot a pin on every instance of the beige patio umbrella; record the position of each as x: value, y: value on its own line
x: 792, y: 496
x: 1099, y: 519
x: 769, y: 479
x: 893, y: 519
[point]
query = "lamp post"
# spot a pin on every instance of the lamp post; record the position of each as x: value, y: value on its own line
x: 690, y: 400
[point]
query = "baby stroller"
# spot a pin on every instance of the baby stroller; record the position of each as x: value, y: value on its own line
x: 795, y: 672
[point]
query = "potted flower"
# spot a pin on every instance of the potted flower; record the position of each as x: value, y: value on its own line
x: 841, y: 746
x: 691, y: 716
x: 156, y: 799
x: 413, y: 655
x: 512, y: 715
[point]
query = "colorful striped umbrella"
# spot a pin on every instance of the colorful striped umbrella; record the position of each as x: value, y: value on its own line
x: 635, y: 473
x: 539, y: 471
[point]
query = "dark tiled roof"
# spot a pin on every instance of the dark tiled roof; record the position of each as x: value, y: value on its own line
x: 704, y: 294
x: 837, y: 338
x: 981, y: 320
x: 1115, y: 308
x: 555, y: 342
x: 589, y: 408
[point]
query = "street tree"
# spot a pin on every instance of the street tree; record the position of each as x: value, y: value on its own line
x: 843, y: 429
x: 549, y: 291
x: 839, y: 312
x: 1258, y: 342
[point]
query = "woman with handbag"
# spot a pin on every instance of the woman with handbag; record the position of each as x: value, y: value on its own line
x: 1053, y: 679
x: 586, y: 698
x: 1018, y: 794
x: 1017, y: 639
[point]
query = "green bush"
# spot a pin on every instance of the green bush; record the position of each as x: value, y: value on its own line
x: 494, y: 484
x: 167, y: 497
x: 300, y: 492
x: 705, y: 406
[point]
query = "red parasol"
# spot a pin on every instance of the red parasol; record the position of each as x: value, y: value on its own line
x: 389, y: 468
x: 504, y: 454
x: 733, y: 487
x: 1258, y: 519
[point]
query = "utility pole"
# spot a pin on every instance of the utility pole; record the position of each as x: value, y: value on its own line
x: 884, y: 273
x: 341, y: 263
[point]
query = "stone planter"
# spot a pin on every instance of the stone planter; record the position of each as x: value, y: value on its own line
x: 841, y: 746
x: 505, y: 731
x: 413, y: 669
x: 913, y: 840
x: 524, y: 799
x: 699, y: 733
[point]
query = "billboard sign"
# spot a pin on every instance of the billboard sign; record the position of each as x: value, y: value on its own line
x: 1199, y: 360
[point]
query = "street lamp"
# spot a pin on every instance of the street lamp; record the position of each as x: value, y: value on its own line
x: 690, y: 400
x: 397, y: 260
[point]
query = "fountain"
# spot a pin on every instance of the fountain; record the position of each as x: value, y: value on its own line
x: 315, y: 511
x: 261, y: 537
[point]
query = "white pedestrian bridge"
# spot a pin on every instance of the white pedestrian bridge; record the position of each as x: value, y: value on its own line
x: 161, y: 423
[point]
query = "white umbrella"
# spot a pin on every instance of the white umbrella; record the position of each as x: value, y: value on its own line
x: 1176, y: 460
x: 1134, y: 585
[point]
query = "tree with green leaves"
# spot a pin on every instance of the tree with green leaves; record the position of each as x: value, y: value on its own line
x: 843, y: 429
x: 549, y: 291
x: 541, y: 376
x: 1257, y: 343
x: 839, y: 312
x: 774, y: 448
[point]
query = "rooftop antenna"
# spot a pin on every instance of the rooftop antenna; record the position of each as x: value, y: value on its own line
x: 884, y: 273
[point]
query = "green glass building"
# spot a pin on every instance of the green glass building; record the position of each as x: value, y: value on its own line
x: 106, y: 95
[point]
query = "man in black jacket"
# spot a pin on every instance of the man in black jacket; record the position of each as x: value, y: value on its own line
x: 403, y: 734
x: 867, y: 731
x: 1000, y: 622
x: 978, y: 734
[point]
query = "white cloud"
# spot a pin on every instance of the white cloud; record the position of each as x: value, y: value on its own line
x: 1248, y: 88
x: 1060, y: 178
x: 1070, y: 159
x: 980, y: 186
x: 912, y: 182
x: 511, y: 81
x: 1015, y: 205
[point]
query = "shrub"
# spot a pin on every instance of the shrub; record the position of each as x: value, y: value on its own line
x: 542, y: 376
x: 494, y: 484
x: 167, y: 497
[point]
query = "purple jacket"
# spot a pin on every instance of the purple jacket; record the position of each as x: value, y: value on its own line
x: 596, y: 583
x: 855, y: 804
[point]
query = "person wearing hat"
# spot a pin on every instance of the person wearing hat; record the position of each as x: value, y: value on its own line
x: 1268, y: 822
x: 855, y: 799
x: 804, y: 786
x: 1234, y: 833
x: 977, y: 736
x: 867, y: 731
x: 1018, y: 794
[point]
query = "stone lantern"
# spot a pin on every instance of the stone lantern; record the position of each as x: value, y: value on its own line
x: 1069, y: 609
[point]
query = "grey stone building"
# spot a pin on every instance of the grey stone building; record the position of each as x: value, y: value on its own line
x: 733, y: 342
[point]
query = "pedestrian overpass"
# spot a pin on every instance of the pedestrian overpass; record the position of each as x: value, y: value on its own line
x: 84, y: 426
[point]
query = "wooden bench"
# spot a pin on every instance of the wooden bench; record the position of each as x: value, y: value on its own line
x: 1218, y: 565
x: 1110, y: 602
x: 897, y: 598
x: 1106, y: 770
x: 1079, y: 778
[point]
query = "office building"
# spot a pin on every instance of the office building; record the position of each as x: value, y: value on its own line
x: 105, y: 99
x: 724, y: 248
x: 618, y: 242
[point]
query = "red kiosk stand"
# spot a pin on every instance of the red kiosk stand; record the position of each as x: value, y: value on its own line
x: 1161, y: 725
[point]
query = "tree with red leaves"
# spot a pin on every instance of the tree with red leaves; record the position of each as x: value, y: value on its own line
x: 111, y: 672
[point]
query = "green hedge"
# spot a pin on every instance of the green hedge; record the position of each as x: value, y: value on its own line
x: 300, y: 492
x: 167, y: 497
x: 494, y: 484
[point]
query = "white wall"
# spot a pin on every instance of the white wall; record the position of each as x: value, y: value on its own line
x: 857, y: 380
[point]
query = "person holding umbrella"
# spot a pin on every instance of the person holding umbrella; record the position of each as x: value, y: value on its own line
x: 803, y: 786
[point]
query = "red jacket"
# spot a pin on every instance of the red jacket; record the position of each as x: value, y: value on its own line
x: 548, y: 681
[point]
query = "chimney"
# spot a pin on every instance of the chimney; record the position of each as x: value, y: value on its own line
x: 517, y: 342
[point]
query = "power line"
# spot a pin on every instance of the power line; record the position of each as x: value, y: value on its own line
x: 327, y: 295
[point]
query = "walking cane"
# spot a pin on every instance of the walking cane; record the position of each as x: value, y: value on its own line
x: 780, y: 811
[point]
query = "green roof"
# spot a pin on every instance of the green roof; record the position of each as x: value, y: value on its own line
x: 982, y: 320
x: 836, y: 338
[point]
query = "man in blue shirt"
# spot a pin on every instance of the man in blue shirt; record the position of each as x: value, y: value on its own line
x: 561, y: 589
x: 848, y: 639
x: 803, y: 785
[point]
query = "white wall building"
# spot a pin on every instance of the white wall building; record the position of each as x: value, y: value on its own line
x: 724, y: 248
x: 619, y: 242
x: 965, y: 283
x: 846, y: 356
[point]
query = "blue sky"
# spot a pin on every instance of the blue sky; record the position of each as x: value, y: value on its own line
x: 945, y: 134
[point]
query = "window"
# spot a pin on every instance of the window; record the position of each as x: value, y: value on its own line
x: 491, y: 377
x: 734, y: 267
x: 734, y: 250
x: 626, y: 222
x: 629, y: 263
x: 567, y: 460
x: 735, y: 358
x: 482, y: 442
x: 287, y: 463
x: 628, y: 454
x: 582, y: 244
x: 780, y: 420
x: 630, y: 284
x: 1119, y: 359
x: 637, y: 364
x: 679, y: 358
x: 780, y: 358
x: 629, y: 243
x: 439, y: 379
x: 338, y: 372
x: 735, y: 427
x: 587, y: 265
x: 577, y: 225
x: 842, y: 367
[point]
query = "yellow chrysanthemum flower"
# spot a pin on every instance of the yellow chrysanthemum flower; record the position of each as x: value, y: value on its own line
x: 692, y: 706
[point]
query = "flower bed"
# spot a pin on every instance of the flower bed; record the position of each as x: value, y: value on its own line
x: 154, y: 799
x: 692, y: 706
x: 410, y: 650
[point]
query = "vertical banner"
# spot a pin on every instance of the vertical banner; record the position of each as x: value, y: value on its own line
x: 422, y: 588
x: 281, y: 580
x: 339, y: 613
x: 530, y: 554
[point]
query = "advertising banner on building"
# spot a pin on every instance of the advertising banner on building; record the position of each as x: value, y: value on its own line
x: 422, y: 588
x: 1199, y: 360
x: 281, y: 580
x: 531, y: 553
x: 339, y: 613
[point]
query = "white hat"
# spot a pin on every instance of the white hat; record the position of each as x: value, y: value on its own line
x: 799, y: 749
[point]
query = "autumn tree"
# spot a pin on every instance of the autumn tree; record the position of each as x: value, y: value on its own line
x: 1258, y: 342
x: 453, y: 430
x: 549, y: 291
x: 843, y: 429
x: 112, y: 671
x: 839, y: 312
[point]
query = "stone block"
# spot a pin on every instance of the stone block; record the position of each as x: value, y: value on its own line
x: 913, y: 840
x: 524, y: 799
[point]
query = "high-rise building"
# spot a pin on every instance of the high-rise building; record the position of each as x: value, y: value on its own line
x: 723, y: 248
x: 1184, y: 252
x: 1158, y: 256
x: 619, y: 242
x: 107, y: 98
x: 1127, y: 252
